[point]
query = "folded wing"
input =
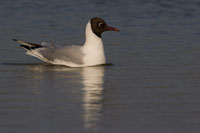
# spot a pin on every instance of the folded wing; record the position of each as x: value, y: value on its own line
x: 53, y: 54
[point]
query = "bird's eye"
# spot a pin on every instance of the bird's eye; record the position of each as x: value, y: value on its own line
x: 100, y: 24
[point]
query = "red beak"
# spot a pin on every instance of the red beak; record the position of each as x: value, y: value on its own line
x: 112, y: 29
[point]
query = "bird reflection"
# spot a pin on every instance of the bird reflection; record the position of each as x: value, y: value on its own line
x: 92, y: 81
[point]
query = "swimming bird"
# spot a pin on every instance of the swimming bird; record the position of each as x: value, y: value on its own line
x: 91, y: 53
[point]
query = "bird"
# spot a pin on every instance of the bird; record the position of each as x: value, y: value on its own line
x: 91, y: 53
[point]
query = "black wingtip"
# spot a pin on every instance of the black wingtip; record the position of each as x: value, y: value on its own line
x: 15, y: 40
x: 26, y: 47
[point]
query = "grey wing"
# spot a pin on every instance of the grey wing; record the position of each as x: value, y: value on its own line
x: 72, y: 54
x: 51, y: 52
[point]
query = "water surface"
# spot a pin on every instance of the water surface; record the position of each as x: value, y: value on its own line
x: 153, y: 85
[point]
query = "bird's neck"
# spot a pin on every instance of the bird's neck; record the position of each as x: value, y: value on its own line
x: 93, y: 48
x: 91, y: 38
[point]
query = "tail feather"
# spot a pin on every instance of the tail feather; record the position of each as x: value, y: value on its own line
x: 28, y: 45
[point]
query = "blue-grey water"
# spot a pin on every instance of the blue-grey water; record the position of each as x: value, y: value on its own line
x: 153, y: 86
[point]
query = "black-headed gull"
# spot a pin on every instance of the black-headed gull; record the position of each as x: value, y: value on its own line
x: 89, y: 54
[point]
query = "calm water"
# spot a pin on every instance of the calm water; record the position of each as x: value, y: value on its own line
x: 153, y: 86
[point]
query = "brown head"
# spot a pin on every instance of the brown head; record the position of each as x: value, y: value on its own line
x: 99, y: 26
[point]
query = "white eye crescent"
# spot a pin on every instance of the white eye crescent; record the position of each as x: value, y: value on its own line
x: 100, y: 24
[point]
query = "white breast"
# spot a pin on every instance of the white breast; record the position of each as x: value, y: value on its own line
x: 93, y: 48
